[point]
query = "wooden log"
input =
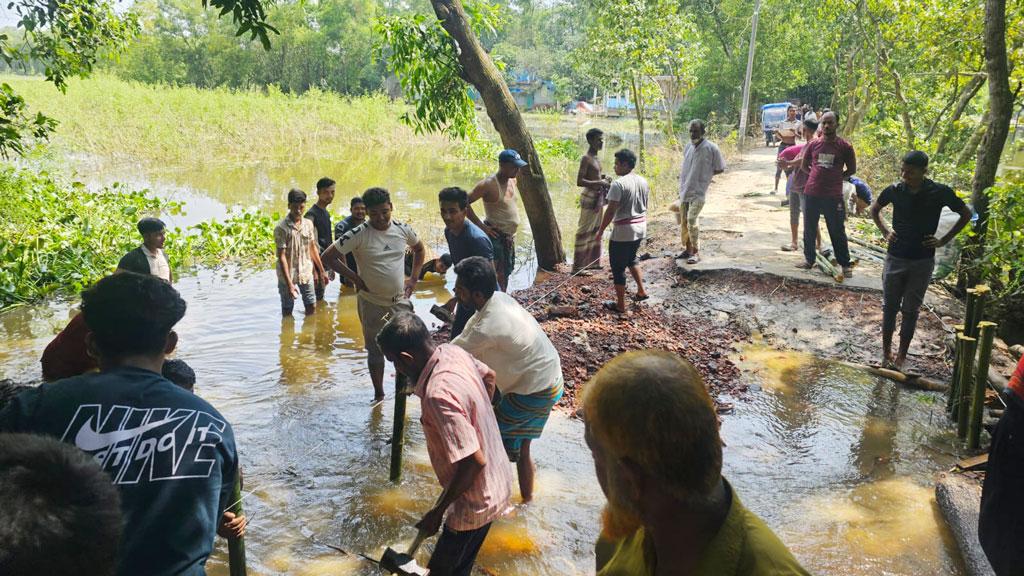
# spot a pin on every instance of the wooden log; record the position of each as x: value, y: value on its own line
x: 910, y: 380
x: 986, y: 333
x: 966, y: 386
x: 398, y: 428
x: 236, y: 546
x: 959, y: 500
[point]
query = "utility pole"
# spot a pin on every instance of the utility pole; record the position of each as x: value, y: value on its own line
x: 745, y: 109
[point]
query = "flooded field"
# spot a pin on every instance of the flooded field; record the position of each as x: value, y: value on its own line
x: 839, y: 463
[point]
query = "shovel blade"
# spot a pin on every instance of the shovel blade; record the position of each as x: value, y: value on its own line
x: 397, y: 563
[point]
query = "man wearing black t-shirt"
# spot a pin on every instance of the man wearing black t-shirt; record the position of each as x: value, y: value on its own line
x: 917, y: 203
x: 169, y: 453
x: 322, y: 223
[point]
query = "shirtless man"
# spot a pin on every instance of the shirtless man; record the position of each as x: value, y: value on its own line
x: 592, y: 200
x: 502, y: 215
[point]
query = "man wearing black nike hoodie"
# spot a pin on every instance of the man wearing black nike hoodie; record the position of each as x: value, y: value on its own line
x: 170, y: 454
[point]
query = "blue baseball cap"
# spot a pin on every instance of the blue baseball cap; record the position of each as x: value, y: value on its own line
x: 511, y: 156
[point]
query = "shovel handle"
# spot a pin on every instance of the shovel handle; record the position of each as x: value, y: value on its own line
x: 420, y: 537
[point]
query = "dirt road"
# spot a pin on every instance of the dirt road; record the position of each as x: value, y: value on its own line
x: 743, y: 226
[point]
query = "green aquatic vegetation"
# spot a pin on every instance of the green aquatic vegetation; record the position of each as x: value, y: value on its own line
x: 58, y: 237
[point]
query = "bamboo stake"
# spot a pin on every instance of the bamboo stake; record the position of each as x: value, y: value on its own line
x: 398, y: 428
x: 236, y: 546
x: 987, y: 332
x: 868, y: 245
x: 966, y: 383
x: 981, y: 299
x: 970, y: 308
x: 954, y: 391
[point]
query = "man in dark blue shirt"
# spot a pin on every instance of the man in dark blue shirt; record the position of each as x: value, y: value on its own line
x: 465, y: 239
x: 321, y: 219
x: 170, y: 454
x: 357, y: 217
x: 917, y: 203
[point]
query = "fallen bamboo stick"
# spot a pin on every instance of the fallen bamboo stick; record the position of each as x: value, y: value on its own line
x: 910, y: 380
x: 966, y: 385
x: 828, y: 268
x: 987, y: 332
x: 868, y: 245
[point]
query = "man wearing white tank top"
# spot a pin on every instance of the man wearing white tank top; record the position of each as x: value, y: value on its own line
x: 501, y: 214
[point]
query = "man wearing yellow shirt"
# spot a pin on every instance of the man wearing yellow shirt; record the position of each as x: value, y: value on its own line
x: 653, y: 432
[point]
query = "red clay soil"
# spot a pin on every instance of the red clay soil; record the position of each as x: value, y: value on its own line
x: 593, y: 335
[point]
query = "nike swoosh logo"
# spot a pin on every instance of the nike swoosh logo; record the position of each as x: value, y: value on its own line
x: 89, y: 440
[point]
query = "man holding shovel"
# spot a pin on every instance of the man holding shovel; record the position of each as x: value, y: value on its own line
x: 462, y: 436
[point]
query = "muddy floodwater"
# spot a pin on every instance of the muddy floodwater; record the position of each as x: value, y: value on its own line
x: 839, y: 463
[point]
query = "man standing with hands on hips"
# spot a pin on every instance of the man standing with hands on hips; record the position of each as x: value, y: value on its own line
x: 917, y: 203
x: 382, y: 288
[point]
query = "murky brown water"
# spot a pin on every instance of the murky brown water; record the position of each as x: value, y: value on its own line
x: 837, y: 462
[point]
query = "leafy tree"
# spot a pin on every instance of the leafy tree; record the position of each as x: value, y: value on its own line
x: 66, y: 38
x: 455, y: 51
x: 636, y: 41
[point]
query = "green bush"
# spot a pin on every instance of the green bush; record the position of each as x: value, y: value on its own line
x: 60, y: 238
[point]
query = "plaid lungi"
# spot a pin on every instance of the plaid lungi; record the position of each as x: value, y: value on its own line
x: 523, y: 416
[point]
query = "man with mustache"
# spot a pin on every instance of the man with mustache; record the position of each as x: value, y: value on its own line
x: 653, y: 433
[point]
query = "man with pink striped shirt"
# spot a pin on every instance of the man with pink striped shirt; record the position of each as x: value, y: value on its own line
x: 463, y: 441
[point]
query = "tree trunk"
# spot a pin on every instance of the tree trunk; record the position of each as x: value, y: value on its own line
x: 505, y: 116
x: 965, y: 98
x: 1000, y: 110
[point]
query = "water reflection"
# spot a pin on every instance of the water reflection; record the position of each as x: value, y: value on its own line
x: 851, y: 487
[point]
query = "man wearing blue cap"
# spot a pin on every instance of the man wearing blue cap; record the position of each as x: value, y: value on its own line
x: 502, y: 215
x: 149, y: 258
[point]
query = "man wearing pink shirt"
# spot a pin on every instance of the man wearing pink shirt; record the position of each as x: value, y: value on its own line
x: 463, y: 441
x: 827, y: 161
x: 790, y: 160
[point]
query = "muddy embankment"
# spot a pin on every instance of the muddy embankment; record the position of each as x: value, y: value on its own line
x: 708, y: 318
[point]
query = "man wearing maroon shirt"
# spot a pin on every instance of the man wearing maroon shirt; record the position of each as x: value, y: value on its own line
x: 827, y: 162
x: 1002, y: 496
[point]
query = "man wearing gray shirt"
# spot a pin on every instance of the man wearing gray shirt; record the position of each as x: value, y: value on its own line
x: 701, y: 160
x: 627, y: 210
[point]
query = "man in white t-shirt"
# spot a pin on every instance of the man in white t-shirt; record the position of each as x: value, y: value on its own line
x: 627, y: 210
x: 788, y: 131
x: 382, y: 287
x: 528, y: 371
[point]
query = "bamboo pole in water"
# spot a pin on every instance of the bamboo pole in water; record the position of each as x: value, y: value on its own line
x: 236, y: 546
x: 398, y: 428
x: 954, y: 391
x: 966, y: 384
x: 987, y: 333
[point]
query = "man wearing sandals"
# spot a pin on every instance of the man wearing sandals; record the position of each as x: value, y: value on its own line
x: 627, y: 209
x: 701, y: 160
